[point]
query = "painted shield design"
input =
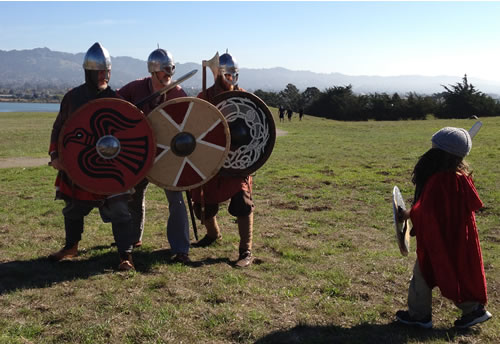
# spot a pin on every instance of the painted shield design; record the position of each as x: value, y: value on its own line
x: 192, y: 143
x: 107, y: 146
x: 252, y: 128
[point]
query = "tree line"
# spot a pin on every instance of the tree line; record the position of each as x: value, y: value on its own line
x: 43, y: 93
x: 461, y: 100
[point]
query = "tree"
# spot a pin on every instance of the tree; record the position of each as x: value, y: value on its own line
x: 339, y: 103
x: 270, y: 98
x: 308, y: 97
x: 463, y: 100
x: 291, y: 97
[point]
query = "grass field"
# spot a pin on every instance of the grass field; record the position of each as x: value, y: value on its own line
x: 328, y: 268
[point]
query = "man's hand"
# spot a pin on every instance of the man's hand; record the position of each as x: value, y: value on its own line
x: 56, y: 164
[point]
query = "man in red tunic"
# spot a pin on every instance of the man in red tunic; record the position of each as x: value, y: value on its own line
x: 448, y: 250
x: 162, y: 67
x: 79, y: 203
x: 221, y: 188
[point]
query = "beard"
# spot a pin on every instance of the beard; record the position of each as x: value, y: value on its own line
x: 92, y: 78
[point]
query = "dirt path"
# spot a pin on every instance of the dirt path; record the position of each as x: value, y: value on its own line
x: 33, y: 162
x: 23, y: 162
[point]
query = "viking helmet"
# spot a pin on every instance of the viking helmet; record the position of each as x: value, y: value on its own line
x: 228, y: 65
x: 161, y: 60
x: 97, y: 58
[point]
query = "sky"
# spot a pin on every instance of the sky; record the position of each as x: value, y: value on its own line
x: 354, y: 38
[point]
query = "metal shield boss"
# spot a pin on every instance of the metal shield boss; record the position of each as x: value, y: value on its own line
x: 107, y: 146
x: 252, y: 128
x: 192, y: 143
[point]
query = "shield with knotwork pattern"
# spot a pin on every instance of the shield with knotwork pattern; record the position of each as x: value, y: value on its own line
x: 252, y: 128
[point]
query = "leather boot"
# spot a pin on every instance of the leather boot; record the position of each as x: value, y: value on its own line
x: 126, y: 262
x: 65, y: 252
x: 245, y: 229
x: 213, y: 233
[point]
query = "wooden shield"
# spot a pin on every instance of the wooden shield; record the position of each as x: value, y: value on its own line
x: 107, y: 146
x: 402, y: 227
x: 252, y: 128
x: 192, y: 143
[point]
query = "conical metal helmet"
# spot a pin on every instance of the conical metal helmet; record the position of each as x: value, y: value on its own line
x: 161, y: 60
x: 97, y: 58
x: 228, y: 65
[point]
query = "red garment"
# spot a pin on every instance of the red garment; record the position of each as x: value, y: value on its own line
x: 220, y: 188
x: 137, y: 90
x: 448, y: 249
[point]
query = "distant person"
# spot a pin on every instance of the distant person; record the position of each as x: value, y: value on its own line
x: 221, y: 188
x: 79, y: 203
x: 289, y: 113
x: 281, y: 112
x: 301, y: 114
x: 448, y: 250
x: 162, y: 67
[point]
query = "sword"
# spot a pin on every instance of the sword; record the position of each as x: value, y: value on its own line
x: 475, y: 129
x: 167, y: 88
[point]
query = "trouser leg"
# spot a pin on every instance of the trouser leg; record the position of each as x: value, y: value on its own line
x: 123, y: 234
x: 74, y: 213
x: 178, y: 223
x: 468, y: 307
x: 419, y: 295
x: 117, y: 211
x: 137, y: 208
x: 245, y: 228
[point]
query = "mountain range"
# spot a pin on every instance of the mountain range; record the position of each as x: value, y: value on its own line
x: 42, y: 67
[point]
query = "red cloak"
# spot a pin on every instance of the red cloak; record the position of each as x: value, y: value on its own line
x: 448, y: 249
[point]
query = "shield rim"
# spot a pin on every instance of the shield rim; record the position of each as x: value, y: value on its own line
x: 218, y: 166
x: 402, y: 228
x: 60, y: 147
x: 269, y: 148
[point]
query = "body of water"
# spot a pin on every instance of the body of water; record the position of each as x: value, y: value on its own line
x: 28, y: 107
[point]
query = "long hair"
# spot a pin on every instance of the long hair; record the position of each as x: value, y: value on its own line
x: 433, y: 161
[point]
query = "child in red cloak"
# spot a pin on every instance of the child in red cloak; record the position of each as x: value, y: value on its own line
x: 448, y: 251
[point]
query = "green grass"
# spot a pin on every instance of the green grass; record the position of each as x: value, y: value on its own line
x: 328, y: 268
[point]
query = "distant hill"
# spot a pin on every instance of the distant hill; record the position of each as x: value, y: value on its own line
x: 42, y: 66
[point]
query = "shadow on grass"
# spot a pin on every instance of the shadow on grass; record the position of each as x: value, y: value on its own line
x: 41, y: 273
x: 364, y: 333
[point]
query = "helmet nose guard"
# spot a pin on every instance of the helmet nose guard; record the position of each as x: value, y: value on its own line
x: 97, y: 58
x: 228, y: 65
x: 161, y: 60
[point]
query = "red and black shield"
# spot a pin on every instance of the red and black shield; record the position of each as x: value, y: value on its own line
x: 192, y: 143
x: 107, y: 146
x: 252, y: 129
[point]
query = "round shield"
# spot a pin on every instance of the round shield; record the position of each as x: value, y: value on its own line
x: 252, y: 128
x: 107, y: 146
x: 192, y: 143
x: 402, y: 227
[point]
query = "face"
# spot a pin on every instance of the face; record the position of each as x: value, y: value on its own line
x: 227, y: 82
x: 103, y: 79
x: 161, y: 79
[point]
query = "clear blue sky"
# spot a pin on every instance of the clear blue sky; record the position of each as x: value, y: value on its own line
x: 354, y: 38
